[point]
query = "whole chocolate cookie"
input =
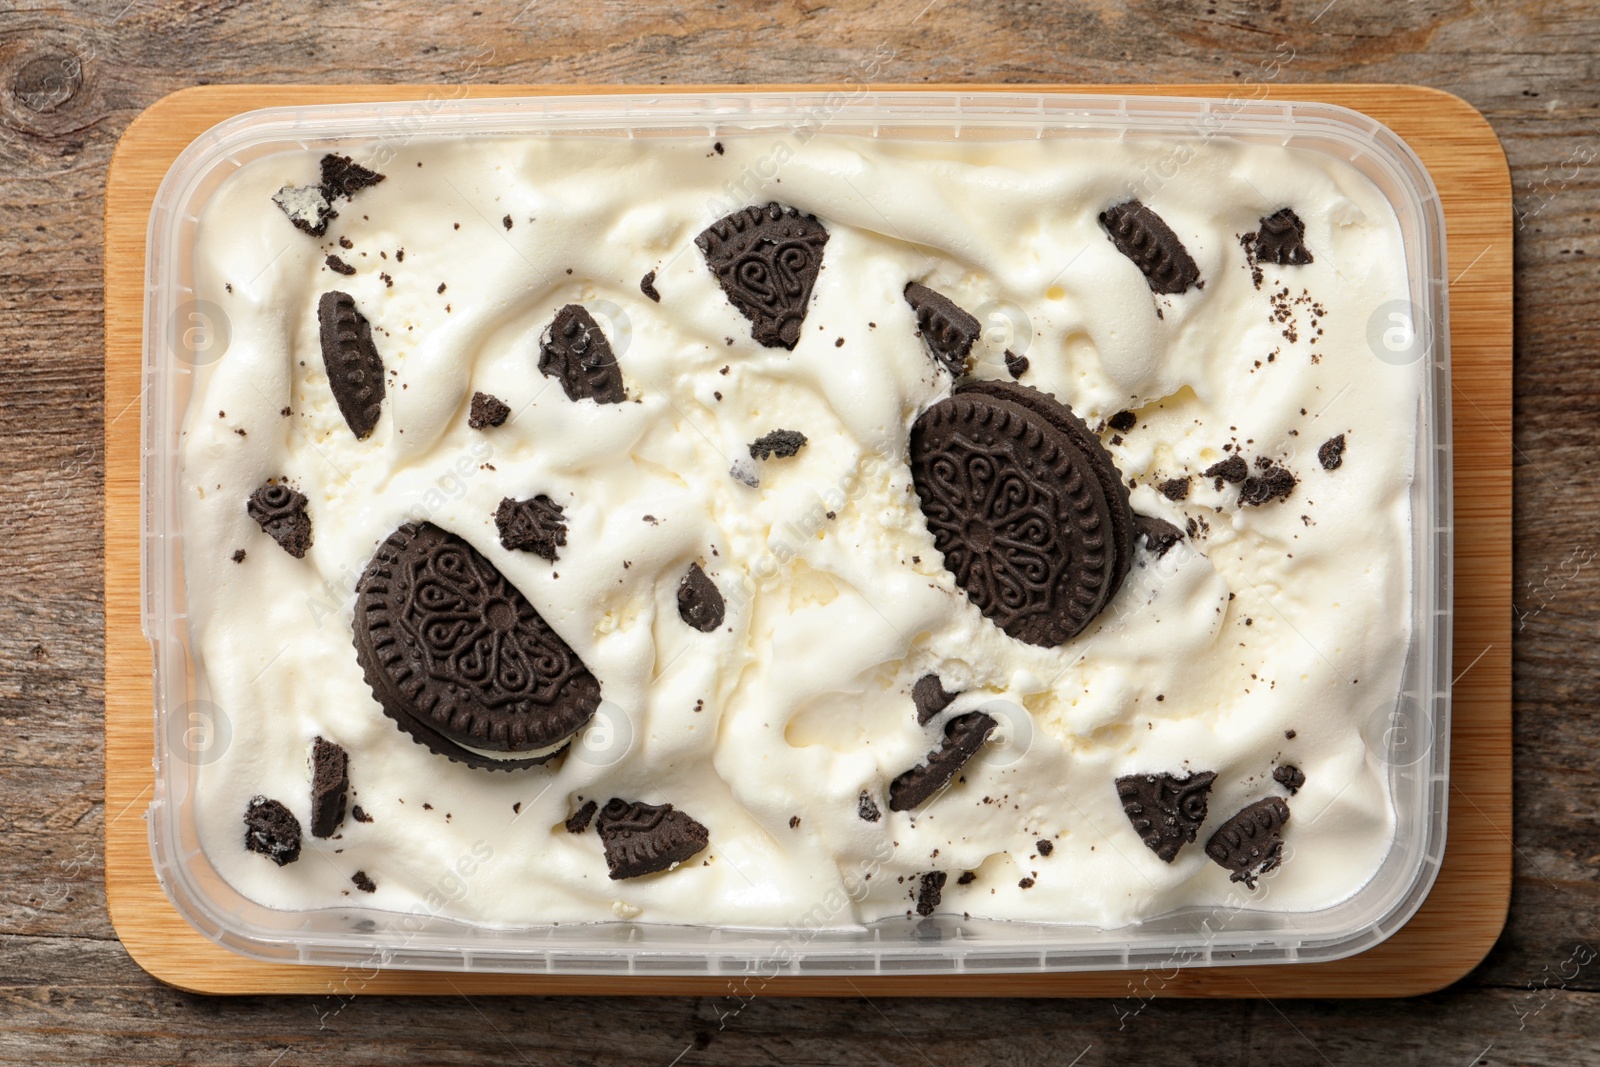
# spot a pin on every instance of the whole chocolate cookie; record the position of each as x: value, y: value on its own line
x: 355, y: 371
x: 1144, y: 237
x: 457, y: 656
x: 767, y: 260
x: 575, y: 351
x: 1166, y: 811
x: 642, y: 838
x: 1019, y: 510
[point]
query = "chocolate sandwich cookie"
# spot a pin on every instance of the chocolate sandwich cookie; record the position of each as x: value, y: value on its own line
x: 1251, y: 843
x: 767, y: 260
x: 963, y: 736
x: 1144, y: 237
x: 281, y: 513
x: 1281, y: 239
x: 1014, y: 490
x: 330, y: 781
x: 456, y: 655
x: 1112, y: 486
x: 1166, y: 811
x: 947, y: 329
x: 642, y: 838
x: 355, y: 370
x: 575, y: 352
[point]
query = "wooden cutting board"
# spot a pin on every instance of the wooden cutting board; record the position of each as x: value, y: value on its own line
x: 1454, y: 929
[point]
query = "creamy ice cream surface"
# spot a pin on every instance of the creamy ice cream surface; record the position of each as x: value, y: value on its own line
x: 1271, y: 635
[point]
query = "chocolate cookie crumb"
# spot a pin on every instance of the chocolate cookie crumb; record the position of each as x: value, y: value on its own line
x: 1331, y: 454
x: 794, y: 822
x: 330, y: 781
x: 647, y: 286
x: 700, y: 602
x: 506, y: 222
x: 1026, y: 883
x: 867, y: 808
x: 358, y: 815
x: 238, y: 555
x: 929, y: 697
x: 967, y: 878
x: 487, y: 410
x: 1159, y: 535
x: 1272, y: 483
x: 1123, y: 421
x: 1016, y: 365
x: 1289, y: 776
x: 363, y: 883
x: 1175, y: 489
x: 1045, y: 846
x: 578, y: 821
x: 334, y: 263
x: 780, y: 444
x: 930, y: 892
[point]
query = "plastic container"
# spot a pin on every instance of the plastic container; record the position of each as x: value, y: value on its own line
x: 1412, y: 741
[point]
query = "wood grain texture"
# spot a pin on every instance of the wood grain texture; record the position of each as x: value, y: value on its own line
x: 72, y: 77
x: 1453, y: 931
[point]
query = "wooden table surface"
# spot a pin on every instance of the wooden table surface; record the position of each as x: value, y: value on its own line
x: 72, y: 78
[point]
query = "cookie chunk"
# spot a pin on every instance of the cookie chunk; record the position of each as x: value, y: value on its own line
x: 1251, y: 843
x: 355, y: 370
x: 929, y: 697
x: 930, y: 892
x: 575, y: 352
x: 779, y: 444
x: 1270, y: 482
x: 1281, y: 239
x: 272, y: 830
x: 487, y: 411
x: 947, y: 330
x: 700, y: 602
x: 281, y: 513
x: 579, y: 820
x: 1289, y: 776
x: 767, y: 260
x: 459, y: 659
x: 1166, y: 811
x: 963, y: 736
x: 1331, y: 454
x: 330, y: 781
x: 642, y: 838
x: 1146, y: 239
x: 538, y: 526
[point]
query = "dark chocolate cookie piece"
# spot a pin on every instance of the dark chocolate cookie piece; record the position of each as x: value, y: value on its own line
x: 1270, y: 482
x: 307, y: 208
x: 1289, y: 776
x: 1251, y: 843
x: 1112, y: 486
x: 339, y: 266
x: 647, y: 286
x: 487, y: 410
x: 767, y: 260
x: 929, y: 697
x: 1175, y: 489
x: 1016, y: 365
x: 642, y: 838
x: 1232, y: 470
x: 538, y: 526
x: 364, y: 883
x: 700, y: 602
x: 1281, y: 239
x: 867, y: 808
x: 1166, y: 811
x: 1018, y: 508
x: 947, y: 330
x: 1331, y: 454
x: 272, y: 830
x: 343, y: 176
x: 456, y: 655
x: 779, y: 444
x: 963, y: 736
x: 575, y: 351
x: 281, y: 512
x: 1159, y: 535
x: 1144, y: 237
x: 579, y: 820
x: 355, y: 370
x: 930, y: 892
x: 1123, y: 421
x: 330, y: 781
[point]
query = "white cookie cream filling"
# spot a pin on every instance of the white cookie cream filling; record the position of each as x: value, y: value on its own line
x: 1288, y: 618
